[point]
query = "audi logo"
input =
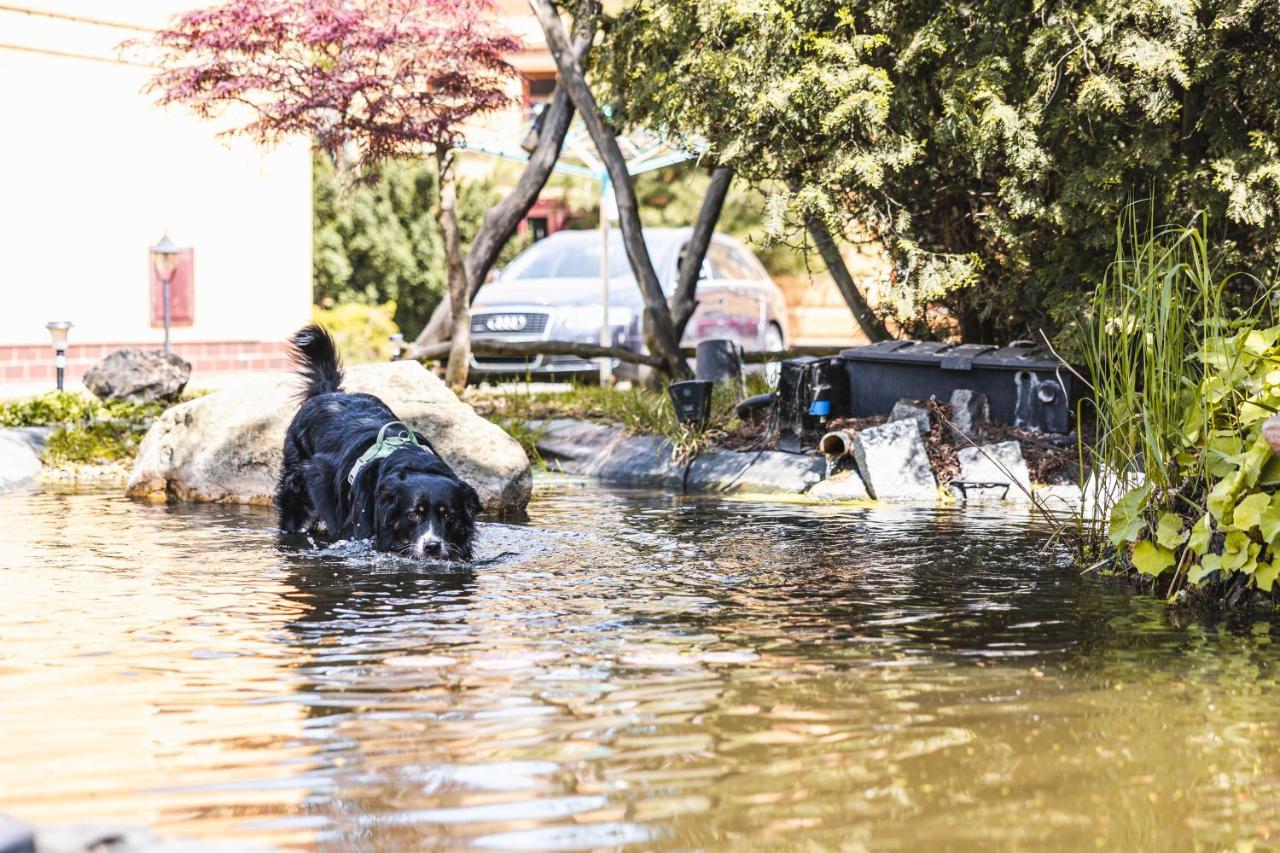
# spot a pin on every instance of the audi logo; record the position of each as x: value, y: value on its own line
x: 505, y: 322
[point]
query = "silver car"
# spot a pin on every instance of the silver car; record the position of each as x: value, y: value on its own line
x: 552, y: 291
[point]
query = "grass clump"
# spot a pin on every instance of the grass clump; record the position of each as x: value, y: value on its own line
x: 100, y: 443
x: 1184, y: 372
x: 636, y: 409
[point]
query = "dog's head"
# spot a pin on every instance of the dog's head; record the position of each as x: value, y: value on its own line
x: 424, y: 515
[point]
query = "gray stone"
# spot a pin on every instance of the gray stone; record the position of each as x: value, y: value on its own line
x: 226, y: 447
x: 139, y: 376
x: 995, y: 463
x: 16, y: 836
x: 893, y: 463
x: 969, y: 411
x: 20, y: 455
x: 641, y: 461
x: 767, y: 473
x: 573, y: 446
x: 1061, y: 498
x: 913, y: 410
x: 842, y: 486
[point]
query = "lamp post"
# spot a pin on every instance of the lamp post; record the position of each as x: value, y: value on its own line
x: 397, y: 346
x: 58, y: 331
x: 164, y: 260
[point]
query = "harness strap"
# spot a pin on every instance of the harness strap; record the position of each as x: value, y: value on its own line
x: 384, y: 447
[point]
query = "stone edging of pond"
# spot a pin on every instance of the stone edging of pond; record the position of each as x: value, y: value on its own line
x: 613, y: 455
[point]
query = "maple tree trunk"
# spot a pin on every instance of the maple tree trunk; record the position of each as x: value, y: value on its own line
x: 460, y: 312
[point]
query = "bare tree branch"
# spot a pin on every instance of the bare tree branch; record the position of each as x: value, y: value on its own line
x: 683, y: 302
x: 501, y: 221
x: 867, y: 320
x: 528, y: 349
x: 659, y: 331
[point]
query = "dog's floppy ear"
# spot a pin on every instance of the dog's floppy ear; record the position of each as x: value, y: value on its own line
x: 471, y: 502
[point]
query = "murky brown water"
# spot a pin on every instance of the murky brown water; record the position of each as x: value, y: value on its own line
x: 627, y: 670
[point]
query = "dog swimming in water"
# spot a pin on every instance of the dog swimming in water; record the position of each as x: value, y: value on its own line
x: 353, y: 469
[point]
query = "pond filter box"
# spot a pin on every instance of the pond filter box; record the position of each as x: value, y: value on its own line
x: 1025, y: 386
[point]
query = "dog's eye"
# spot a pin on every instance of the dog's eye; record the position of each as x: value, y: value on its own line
x: 444, y: 511
x: 413, y: 515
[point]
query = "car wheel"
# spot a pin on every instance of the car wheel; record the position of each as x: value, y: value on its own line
x: 773, y: 342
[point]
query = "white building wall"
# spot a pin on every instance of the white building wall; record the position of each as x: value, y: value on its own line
x: 92, y: 173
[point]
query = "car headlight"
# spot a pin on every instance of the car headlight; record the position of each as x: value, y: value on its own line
x: 587, y: 318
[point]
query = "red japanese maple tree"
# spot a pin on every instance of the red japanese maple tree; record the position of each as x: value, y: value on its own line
x: 394, y: 77
x: 391, y: 78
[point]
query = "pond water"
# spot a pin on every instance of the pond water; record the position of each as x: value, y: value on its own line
x: 628, y: 670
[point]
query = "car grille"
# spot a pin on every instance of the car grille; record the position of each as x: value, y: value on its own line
x: 498, y: 323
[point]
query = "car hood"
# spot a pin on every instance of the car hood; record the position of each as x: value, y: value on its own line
x: 556, y: 293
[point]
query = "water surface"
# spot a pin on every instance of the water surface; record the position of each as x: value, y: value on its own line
x: 628, y: 670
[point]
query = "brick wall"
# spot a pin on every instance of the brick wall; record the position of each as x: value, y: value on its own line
x: 34, y: 363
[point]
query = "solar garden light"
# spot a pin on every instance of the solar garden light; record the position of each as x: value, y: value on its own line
x: 164, y: 260
x: 397, y: 346
x: 58, y: 331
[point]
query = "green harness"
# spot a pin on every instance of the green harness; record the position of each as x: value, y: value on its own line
x: 384, y: 447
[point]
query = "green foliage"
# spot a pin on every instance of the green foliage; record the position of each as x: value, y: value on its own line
x: 362, y: 332
x: 66, y: 407
x: 97, y: 443
x: 989, y: 145
x: 89, y: 430
x: 1182, y: 382
x: 378, y: 242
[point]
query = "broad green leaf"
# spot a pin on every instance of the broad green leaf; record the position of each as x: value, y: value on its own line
x: 1265, y: 575
x: 1238, y: 550
x: 1150, y: 559
x: 1169, y: 530
x: 1248, y: 512
x: 1207, y: 566
x: 1201, y: 532
x: 1221, y: 497
x: 1126, y: 516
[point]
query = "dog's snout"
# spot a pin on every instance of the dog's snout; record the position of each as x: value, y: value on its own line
x: 433, y: 549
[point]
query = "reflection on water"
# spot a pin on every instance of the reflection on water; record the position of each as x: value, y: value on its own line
x: 627, y: 670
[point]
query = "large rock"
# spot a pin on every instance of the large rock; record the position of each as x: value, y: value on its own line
x: 139, y: 376
x: 226, y: 447
x: 893, y: 463
x: 995, y: 463
x: 20, y: 455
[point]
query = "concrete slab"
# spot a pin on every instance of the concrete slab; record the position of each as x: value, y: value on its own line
x: 841, y: 486
x: 995, y: 463
x: 767, y: 473
x: 893, y: 463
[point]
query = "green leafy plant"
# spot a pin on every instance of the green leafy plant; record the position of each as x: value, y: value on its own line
x: 363, y: 332
x: 1183, y: 375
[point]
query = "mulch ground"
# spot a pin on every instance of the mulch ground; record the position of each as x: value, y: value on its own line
x: 1049, y: 459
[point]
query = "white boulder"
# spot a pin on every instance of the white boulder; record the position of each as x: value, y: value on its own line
x: 226, y: 447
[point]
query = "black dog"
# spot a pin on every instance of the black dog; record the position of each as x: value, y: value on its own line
x: 353, y: 468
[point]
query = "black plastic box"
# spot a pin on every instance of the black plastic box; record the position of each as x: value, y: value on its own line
x: 1025, y: 386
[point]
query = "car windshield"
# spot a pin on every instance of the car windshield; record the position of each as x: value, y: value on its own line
x: 576, y: 258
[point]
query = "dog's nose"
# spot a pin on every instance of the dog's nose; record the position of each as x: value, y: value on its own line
x: 433, y: 549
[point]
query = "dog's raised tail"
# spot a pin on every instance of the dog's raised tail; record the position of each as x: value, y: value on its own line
x: 315, y: 357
